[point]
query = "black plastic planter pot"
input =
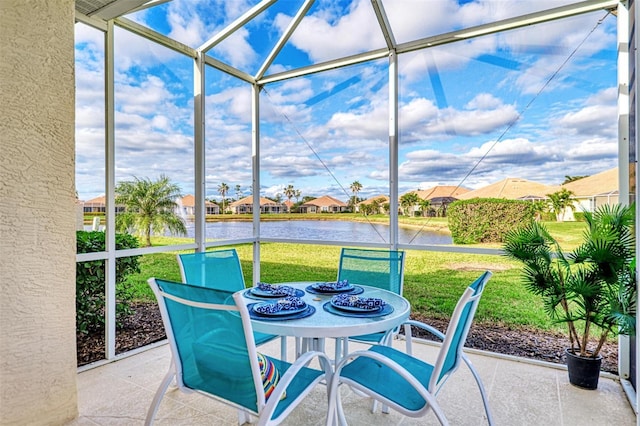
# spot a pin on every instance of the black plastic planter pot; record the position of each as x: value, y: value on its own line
x: 583, y: 372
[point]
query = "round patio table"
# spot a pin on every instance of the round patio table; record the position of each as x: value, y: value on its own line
x: 322, y: 324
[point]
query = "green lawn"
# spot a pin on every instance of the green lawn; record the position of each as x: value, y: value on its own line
x: 433, y: 281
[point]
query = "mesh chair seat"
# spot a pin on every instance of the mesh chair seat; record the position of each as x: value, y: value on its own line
x: 214, y: 353
x: 405, y: 383
x: 220, y: 269
x: 375, y: 268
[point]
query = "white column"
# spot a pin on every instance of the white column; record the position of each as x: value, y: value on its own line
x: 199, y: 149
x: 110, y: 172
x: 255, y: 164
x: 393, y: 149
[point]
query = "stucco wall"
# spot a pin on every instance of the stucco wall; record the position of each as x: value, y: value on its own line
x: 37, y: 213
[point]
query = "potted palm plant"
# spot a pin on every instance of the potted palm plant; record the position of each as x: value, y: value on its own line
x: 592, y: 288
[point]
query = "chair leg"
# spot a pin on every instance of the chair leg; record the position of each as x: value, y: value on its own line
x: 483, y: 393
x: 157, y: 398
x: 243, y: 417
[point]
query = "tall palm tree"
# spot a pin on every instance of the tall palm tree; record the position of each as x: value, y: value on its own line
x: 238, y: 192
x: 150, y: 206
x: 289, y: 192
x: 297, y: 194
x: 356, y: 187
x: 223, y: 188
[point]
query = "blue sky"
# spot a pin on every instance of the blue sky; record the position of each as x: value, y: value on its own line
x: 537, y: 103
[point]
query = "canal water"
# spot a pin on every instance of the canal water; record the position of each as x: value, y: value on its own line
x: 326, y: 230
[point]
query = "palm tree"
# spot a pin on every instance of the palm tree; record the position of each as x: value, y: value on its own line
x: 356, y: 187
x: 297, y: 194
x: 560, y: 201
x: 149, y: 206
x: 408, y: 200
x: 223, y: 188
x: 424, y: 204
x: 290, y: 192
x: 238, y: 192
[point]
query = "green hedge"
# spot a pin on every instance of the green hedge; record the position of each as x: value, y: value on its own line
x: 486, y: 220
x: 90, y: 280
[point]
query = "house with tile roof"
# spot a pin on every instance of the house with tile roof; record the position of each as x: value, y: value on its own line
x: 440, y: 196
x: 324, y: 204
x: 187, y: 205
x: 593, y: 191
x: 95, y: 205
x: 245, y: 206
x: 512, y: 189
x: 288, y: 205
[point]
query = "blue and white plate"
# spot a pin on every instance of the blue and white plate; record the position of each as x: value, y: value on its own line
x: 333, y: 287
x: 270, y: 290
x: 353, y: 303
x: 286, y: 306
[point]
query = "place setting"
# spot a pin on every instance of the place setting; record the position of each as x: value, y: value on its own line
x: 350, y: 305
x: 286, y: 308
x: 272, y: 291
x: 334, y: 287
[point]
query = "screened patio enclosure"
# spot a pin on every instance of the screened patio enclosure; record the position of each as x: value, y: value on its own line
x: 393, y: 94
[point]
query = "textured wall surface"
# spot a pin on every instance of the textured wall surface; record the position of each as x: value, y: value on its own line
x: 37, y: 213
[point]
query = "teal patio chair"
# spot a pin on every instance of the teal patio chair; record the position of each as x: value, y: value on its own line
x: 221, y: 270
x: 214, y: 354
x: 376, y: 268
x: 403, y: 382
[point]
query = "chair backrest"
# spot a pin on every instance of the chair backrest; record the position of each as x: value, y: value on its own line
x: 219, y: 269
x: 451, y: 350
x: 211, y: 340
x: 377, y: 268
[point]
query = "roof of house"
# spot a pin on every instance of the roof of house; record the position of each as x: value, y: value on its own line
x: 249, y: 200
x: 190, y: 201
x: 601, y: 183
x: 98, y: 200
x: 325, y: 201
x: 385, y: 199
x: 511, y: 189
x: 441, y: 191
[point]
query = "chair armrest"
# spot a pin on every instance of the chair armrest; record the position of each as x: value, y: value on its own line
x: 440, y: 335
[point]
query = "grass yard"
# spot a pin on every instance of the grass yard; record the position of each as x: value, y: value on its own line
x: 433, y: 281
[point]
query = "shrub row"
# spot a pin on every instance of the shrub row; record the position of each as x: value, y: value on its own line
x: 486, y: 220
x: 90, y: 280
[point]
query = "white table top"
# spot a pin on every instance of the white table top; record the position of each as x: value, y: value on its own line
x: 325, y: 324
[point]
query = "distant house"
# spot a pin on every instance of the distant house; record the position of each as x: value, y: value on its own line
x: 324, y: 204
x: 288, y: 205
x: 593, y: 191
x: 95, y: 205
x: 98, y: 205
x: 440, y: 197
x: 381, y: 199
x: 188, y: 206
x: 245, y: 206
x: 512, y: 189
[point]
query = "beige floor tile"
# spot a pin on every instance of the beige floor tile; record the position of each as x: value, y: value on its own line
x: 520, y: 393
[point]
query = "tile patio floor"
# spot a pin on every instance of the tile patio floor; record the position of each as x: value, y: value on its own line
x: 520, y: 393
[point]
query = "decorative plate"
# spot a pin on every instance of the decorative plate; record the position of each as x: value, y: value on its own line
x: 285, y: 306
x: 352, y: 303
x: 333, y: 287
x: 271, y: 290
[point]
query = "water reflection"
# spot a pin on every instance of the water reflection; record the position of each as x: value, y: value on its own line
x: 322, y: 230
